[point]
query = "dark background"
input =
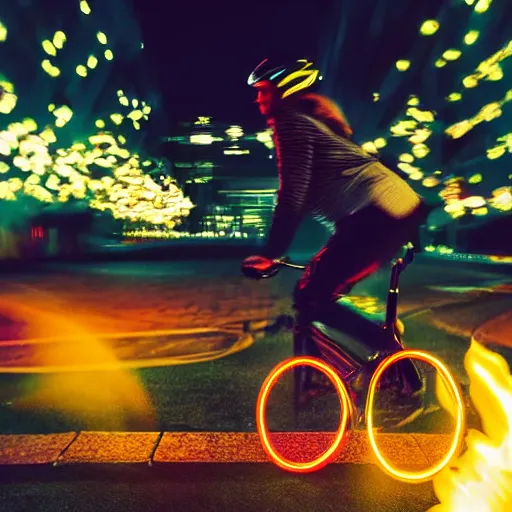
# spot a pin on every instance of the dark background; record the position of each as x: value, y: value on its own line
x: 203, y: 51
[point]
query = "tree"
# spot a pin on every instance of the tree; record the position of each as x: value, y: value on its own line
x: 70, y: 137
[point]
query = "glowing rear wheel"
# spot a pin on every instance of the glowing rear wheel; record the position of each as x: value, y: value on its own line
x: 261, y: 414
x: 455, y: 392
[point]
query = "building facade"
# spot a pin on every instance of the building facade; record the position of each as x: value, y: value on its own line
x: 229, y: 175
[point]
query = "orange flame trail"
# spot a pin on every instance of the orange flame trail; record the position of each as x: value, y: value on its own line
x: 481, y: 479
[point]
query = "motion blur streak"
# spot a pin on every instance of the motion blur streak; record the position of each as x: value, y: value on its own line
x: 113, y: 399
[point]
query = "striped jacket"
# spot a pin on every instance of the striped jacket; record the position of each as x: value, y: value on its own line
x: 328, y: 177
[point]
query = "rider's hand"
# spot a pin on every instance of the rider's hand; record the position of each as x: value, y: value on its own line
x: 259, y: 263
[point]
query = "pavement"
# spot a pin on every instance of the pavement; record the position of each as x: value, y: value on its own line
x: 208, y: 488
x: 174, y: 329
x: 405, y: 450
x: 495, y: 332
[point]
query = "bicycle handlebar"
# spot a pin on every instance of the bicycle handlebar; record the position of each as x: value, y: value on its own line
x: 255, y: 273
x: 284, y: 262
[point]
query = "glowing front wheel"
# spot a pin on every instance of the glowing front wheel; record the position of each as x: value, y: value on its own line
x: 455, y: 392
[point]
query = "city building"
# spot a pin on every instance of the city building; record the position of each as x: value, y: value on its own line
x: 229, y: 175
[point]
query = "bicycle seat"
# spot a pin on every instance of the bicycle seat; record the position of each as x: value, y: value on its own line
x: 354, y: 347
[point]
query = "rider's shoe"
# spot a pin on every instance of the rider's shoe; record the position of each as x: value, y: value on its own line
x: 281, y: 323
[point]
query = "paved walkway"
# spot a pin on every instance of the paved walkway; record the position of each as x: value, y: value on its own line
x: 120, y: 471
x: 404, y: 450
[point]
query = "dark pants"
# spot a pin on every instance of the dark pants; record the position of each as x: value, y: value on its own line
x: 362, y: 243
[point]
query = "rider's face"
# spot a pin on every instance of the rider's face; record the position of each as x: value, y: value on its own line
x: 267, y: 97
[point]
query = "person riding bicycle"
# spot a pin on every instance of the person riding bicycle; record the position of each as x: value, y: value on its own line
x: 325, y: 174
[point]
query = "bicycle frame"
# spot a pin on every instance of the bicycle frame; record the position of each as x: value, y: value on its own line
x: 392, y: 299
x: 350, y: 357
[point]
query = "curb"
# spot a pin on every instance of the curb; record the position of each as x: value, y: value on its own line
x: 160, y: 448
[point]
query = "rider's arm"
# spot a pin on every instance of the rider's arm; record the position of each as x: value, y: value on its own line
x: 294, y: 150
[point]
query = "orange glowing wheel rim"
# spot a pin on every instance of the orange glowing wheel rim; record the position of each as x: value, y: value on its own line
x: 449, y: 380
x: 261, y: 414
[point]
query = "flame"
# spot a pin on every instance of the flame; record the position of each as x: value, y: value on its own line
x: 481, y: 479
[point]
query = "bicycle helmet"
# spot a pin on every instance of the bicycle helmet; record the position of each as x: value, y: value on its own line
x: 291, y: 79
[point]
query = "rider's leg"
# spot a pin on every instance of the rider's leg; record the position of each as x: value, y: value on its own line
x: 361, y: 244
x: 344, y: 261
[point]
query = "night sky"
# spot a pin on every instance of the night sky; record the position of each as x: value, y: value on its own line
x: 203, y: 51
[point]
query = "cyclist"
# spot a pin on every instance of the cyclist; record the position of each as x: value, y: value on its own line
x: 324, y: 173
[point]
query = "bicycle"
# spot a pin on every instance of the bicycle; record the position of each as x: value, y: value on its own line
x: 355, y: 370
x: 354, y: 361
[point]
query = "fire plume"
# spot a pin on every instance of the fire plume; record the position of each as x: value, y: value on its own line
x: 481, y: 479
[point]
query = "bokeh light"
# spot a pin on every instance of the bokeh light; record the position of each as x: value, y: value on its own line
x: 66, y: 136
x: 438, y: 90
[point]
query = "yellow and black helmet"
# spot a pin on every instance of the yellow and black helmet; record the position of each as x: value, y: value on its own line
x: 290, y: 79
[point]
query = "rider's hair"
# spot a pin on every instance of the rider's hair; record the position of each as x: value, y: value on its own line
x: 325, y: 110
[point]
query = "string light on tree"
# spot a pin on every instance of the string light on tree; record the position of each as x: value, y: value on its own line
x: 98, y: 170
